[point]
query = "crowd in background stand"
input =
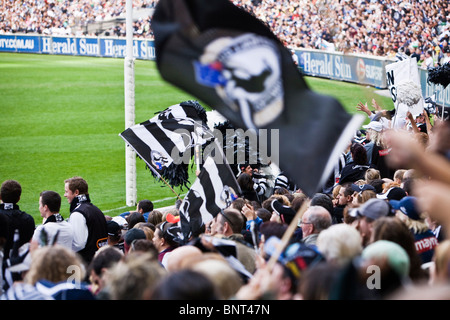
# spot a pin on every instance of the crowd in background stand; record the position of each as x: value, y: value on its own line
x: 372, y: 27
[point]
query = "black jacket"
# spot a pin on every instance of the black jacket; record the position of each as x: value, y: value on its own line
x: 16, y: 219
x: 96, y: 224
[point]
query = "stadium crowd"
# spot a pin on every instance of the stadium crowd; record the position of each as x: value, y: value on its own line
x: 374, y: 27
x: 377, y: 230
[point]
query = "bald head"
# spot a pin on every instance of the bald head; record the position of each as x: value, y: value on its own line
x: 178, y: 257
x: 318, y: 218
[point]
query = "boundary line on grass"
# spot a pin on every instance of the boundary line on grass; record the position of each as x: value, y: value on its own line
x: 156, y: 201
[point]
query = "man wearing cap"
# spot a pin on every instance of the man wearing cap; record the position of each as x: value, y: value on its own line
x: 366, y: 215
x: 115, y: 238
x: 394, y: 193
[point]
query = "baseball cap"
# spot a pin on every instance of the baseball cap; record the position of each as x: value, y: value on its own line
x: 296, y: 257
x: 373, y: 208
x: 361, y: 188
x: 407, y: 206
x: 113, y: 228
x: 286, y: 213
x: 374, y: 125
x: 395, y: 193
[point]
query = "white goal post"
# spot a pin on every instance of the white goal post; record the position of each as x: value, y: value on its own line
x: 130, y: 155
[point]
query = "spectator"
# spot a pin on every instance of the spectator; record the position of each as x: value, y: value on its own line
x: 185, y: 285
x: 54, y: 226
x: 133, y: 218
x: 440, y: 272
x: 53, y: 265
x: 317, y: 282
x: 393, y: 229
x: 380, y: 149
x: 407, y: 185
x: 378, y: 185
x: 323, y: 200
x: 263, y: 214
x: 314, y: 220
x: 362, y: 194
x: 115, y: 238
x: 425, y: 240
x: 393, y: 262
x: 285, y: 214
x: 371, y: 175
x: 135, y: 277
x: 344, y: 198
x: 143, y: 246
x: 228, y: 224
x: 270, y: 229
x: 149, y: 233
x: 393, y: 193
x: 181, y: 256
x: 3, y: 237
x: 398, y: 176
x: 226, y: 280
x: 10, y: 193
x: 339, y: 244
x: 259, y: 181
x: 356, y: 169
x: 104, y: 259
x: 155, y: 217
x: 144, y: 207
x: 246, y: 184
x: 282, y: 282
x: 131, y: 236
x: 429, y: 61
x: 164, y: 240
x: 366, y: 215
x: 88, y: 221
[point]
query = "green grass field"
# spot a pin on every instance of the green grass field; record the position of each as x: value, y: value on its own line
x: 61, y: 116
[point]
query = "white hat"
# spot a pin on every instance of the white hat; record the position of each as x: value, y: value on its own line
x: 374, y: 125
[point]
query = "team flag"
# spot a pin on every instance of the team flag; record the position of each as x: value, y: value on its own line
x: 229, y: 59
x: 166, y: 142
x: 214, y: 190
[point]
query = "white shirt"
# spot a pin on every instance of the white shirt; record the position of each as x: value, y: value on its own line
x: 65, y: 235
x: 80, y: 230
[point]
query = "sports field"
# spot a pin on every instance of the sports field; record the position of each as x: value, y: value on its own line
x: 61, y: 116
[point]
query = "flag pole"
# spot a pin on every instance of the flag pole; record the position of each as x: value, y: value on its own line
x: 130, y: 155
x: 163, y: 180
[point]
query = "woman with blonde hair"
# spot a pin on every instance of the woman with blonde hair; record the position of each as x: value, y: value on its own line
x: 52, y: 263
x: 372, y: 174
x: 59, y: 273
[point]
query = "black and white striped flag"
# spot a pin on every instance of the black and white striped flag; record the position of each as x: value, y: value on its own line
x: 214, y: 190
x: 166, y: 142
